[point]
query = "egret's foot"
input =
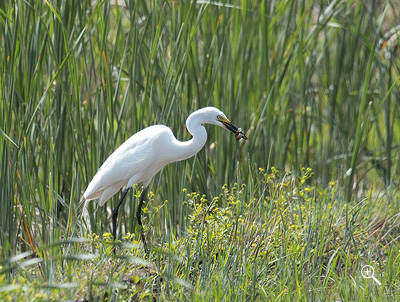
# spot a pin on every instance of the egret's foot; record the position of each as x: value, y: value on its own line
x: 115, y: 244
x: 146, y: 250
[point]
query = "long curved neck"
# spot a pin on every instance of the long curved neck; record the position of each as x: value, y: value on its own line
x: 191, y: 147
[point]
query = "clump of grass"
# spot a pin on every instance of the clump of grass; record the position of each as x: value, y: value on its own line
x: 284, y: 238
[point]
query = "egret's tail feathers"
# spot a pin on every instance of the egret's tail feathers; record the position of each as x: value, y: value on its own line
x: 82, y: 207
x: 83, y: 212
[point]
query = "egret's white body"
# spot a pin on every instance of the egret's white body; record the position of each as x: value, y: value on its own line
x: 137, y: 160
x: 145, y: 153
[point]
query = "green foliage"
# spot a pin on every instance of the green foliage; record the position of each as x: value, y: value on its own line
x: 312, y: 83
x: 283, y: 239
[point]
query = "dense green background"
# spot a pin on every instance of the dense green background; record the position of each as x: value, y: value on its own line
x: 310, y: 83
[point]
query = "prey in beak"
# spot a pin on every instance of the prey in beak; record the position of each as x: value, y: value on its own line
x: 231, y: 127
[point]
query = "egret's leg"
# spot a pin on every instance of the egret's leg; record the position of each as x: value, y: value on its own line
x: 139, y: 217
x: 115, y: 214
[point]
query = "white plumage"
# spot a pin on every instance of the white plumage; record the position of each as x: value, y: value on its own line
x: 137, y: 160
x: 145, y: 153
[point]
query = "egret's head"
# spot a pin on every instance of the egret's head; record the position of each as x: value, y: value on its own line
x: 212, y: 115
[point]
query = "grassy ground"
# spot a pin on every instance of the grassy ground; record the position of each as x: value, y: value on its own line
x: 312, y: 83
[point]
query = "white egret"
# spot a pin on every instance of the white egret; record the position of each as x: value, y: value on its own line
x: 145, y: 153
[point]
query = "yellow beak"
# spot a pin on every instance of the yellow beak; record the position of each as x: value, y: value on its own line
x: 228, y: 125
